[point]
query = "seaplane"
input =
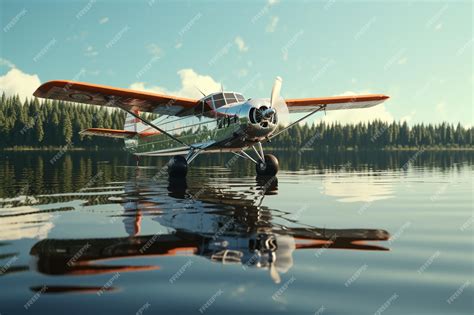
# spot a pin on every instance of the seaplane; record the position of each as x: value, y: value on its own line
x: 184, y: 128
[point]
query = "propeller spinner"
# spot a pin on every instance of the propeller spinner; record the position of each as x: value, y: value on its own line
x: 277, y: 113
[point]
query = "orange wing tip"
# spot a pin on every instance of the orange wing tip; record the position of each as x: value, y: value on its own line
x: 43, y: 89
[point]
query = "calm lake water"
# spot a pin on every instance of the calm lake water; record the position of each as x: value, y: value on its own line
x: 334, y: 233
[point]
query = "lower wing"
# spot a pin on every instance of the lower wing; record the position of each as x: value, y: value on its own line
x: 114, y: 133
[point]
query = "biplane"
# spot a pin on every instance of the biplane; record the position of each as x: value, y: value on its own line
x: 185, y: 128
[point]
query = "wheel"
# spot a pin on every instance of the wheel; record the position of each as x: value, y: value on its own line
x: 269, y: 168
x: 178, y: 166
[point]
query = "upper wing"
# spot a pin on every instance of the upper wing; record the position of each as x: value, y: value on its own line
x: 115, y: 97
x: 301, y: 105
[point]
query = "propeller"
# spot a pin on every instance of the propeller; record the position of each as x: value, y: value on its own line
x: 278, y: 104
x: 278, y: 112
x: 275, y: 92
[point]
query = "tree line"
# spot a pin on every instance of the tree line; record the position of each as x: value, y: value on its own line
x: 35, y: 123
x: 45, y: 123
x: 376, y: 135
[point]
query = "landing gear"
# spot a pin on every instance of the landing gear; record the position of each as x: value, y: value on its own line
x: 178, y: 166
x: 266, y: 164
x: 268, y: 167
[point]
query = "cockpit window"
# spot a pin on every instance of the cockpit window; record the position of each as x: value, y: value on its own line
x: 219, y: 100
x: 230, y: 98
x: 208, y: 101
x: 218, y: 96
x: 239, y: 97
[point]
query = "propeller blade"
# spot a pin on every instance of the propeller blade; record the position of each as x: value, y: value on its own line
x: 282, y: 112
x: 278, y: 104
x: 275, y: 91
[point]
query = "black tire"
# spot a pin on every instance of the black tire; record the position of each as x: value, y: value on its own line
x: 269, y: 168
x: 177, y: 167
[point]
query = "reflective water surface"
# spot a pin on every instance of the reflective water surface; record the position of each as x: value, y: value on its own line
x: 333, y: 233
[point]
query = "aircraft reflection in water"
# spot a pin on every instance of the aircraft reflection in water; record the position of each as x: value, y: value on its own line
x: 223, y: 226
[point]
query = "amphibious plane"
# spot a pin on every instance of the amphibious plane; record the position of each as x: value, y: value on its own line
x: 185, y: 128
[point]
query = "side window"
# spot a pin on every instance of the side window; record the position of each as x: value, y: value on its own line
x: 208, y: 102
x: 219, y: 100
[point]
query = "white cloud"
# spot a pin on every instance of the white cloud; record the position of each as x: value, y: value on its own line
x: 441, y: 109
x: 90, y: 52
x: 190, y: 81
x: 16, y: 82
x: 271, y: 27
x: 77, y: 37
x: 402, y: 61
x: 178, y: 45
x: 155, y: 50
x: 408, y: 117
x: 7, y: 63
x: 242, y: 73
x: 351, y: 116
x: 103, y: 20
x: 351, y: 188
x: 272, y: 2
x: 241, y: 44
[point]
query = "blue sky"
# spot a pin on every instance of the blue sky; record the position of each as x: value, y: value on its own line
x: 418, y: 52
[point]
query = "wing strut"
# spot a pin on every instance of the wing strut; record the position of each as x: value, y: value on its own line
x: 145, y: 121
x: 323, y: 107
